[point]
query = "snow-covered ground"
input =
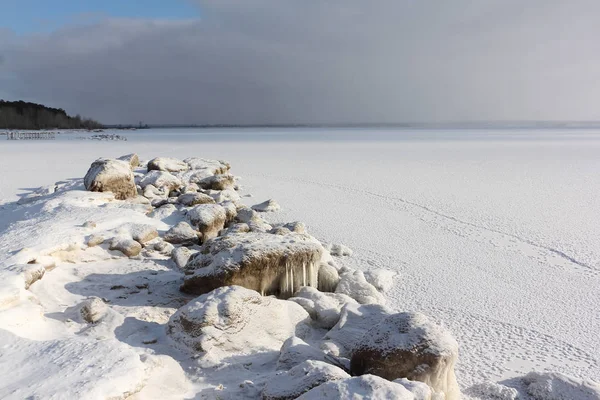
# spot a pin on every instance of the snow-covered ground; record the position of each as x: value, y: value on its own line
x: 493, y: 234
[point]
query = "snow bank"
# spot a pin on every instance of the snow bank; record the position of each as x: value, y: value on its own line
x: 555, y: 386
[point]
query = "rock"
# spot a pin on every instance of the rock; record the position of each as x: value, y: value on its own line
x: 162, y: 180
x: 230, y: 211
x: 409, y: 345
x: 32, y: 273
x: 359, y: 387
x: 153, y: 193
x: 182, y: 233
x: 125, y: 245
x: 420, y: 390
x: 328, y: 278
x: 284, y: 229
x: 89, y: 224
x: 181, y: 255
x: 142, y: 233
x: 269, y: 264
x: 236, y: 321
x: 280, y: 230
x: 382, y: 279
x: 246, y: 214
x: 267, y: 206
x: 494, y: 391
x: 132, y: 159
x: 106, y: 175
x: 193, y: 199
x: 164, y: 248
x: 163, y: 212
x: 190, y: 188
x: 290, y: 384
x: 355, y: 320
x: 167, y: 164
x: 221, y: 196
x: 259, y: 226
x: 92, y: 310
x: 215, y: 182
x: 210, y: 167
x: 95, y: 240
x: 209, y: 219
x: 339, y: 250
x: 324, y: 308
x: 354, y: 284
x: 235, y: 228
x: 295, y: 351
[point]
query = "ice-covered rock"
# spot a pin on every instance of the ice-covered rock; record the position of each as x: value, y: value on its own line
x: 382, y: 279
x: 164, y: 248
x: 193, y: 199
x: 235, y: 228
x: 354, y: 284
x: 233, y: 320
x: 328, y: 277
x: 163, y: 212
x: 132, y: 159
x: 409, y: 345
x: 182, y: 233
x: 230, y: 211
x: 211, y: 167
x: 181, y: 255
x: 355, y: 320
x: 92, y: 310
x: 167, y: 164
x: 107, y: 175
x: 288, y: 385
x: 295, y: 351
x: 126, y: 245
x: 95, y: 240
x: 324, y: 308
x: 161, y: 180
x: 269, y: 264
x: 259, y: 225
x: 141, y: 233
x: 154, y: 194
x: 420, y: 390
x: 339, y: 250
x: 221, y: 196
x: 209, y: 219
x: 360, y: 387
x: 556, y: 386
x: 215, y: 182
x: 267, y: 206
x: 246, y: 214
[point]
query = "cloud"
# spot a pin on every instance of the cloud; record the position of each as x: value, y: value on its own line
x: 292, y: 61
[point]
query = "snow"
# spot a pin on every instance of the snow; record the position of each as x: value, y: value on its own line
x: 555, y: 386
x: 491, y: 233
x: 358, y: 388
x: 295, y: 351
x: 354, y: 284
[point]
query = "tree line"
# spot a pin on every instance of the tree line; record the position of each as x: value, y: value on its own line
x: 24, y: 115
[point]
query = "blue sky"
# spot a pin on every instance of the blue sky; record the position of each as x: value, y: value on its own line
x: 33, y: 16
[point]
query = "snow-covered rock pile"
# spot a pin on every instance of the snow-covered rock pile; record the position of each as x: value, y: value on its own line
x: 279, y: 315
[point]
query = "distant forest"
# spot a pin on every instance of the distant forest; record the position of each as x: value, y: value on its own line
x: 24, y: 115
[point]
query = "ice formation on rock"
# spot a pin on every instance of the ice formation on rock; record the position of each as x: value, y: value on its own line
x: 167, y: 164
x: 354, y: 284
x: 556, y: 386
x: 269, y: 264
x: 267, y: 206
x: 193, y: 199
x: 132, y: 159
x: 209, y: 219
x: 182, y: 233
x: 295, y: 351
x: 324, y: 308
x: 359, y: 387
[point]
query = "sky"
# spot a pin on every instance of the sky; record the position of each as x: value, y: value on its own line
x: 304, y: 61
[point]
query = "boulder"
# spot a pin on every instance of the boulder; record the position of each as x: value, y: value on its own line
x: 142, y: 233
x: 328, y: 277
x: 295, y: 351
x: 161, y: 180
x: 359, y: 387
x: 95, y: 240
x: 235, y: 228
x: 221, y: 196
x: 154, y: 194
x: 355, y: 320
x: 132, y: 159
x: 267, y: 206
x: 164, y: 248
x: 209, y: 219
x: 230, y: 211
x: 106, y: 175
x: 324, y: 308
x: 288, y: 385
x: 233, y: 320
x: 125, y: 245
x: 409, y: 345
x: 210, y: 167
x: 556, y: 386
x: 246, y: 214
x: 182, y: 233
x: 339, y: 250
x: 181, y: 255
x: 215, y: 182
x: 354, y: 284
x: 163, y: 212
x: 269, y: 264
x: 193, y: 199
x: 167, y: 164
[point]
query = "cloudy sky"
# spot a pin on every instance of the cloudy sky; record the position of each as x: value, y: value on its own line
x: 304, y: 61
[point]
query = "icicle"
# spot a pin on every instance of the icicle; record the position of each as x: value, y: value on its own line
x: 303, y: 274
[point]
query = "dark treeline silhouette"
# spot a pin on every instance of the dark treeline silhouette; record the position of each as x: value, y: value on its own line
x: 24, y: 115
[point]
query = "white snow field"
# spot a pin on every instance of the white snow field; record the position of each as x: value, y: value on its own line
x: 493, y: 234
